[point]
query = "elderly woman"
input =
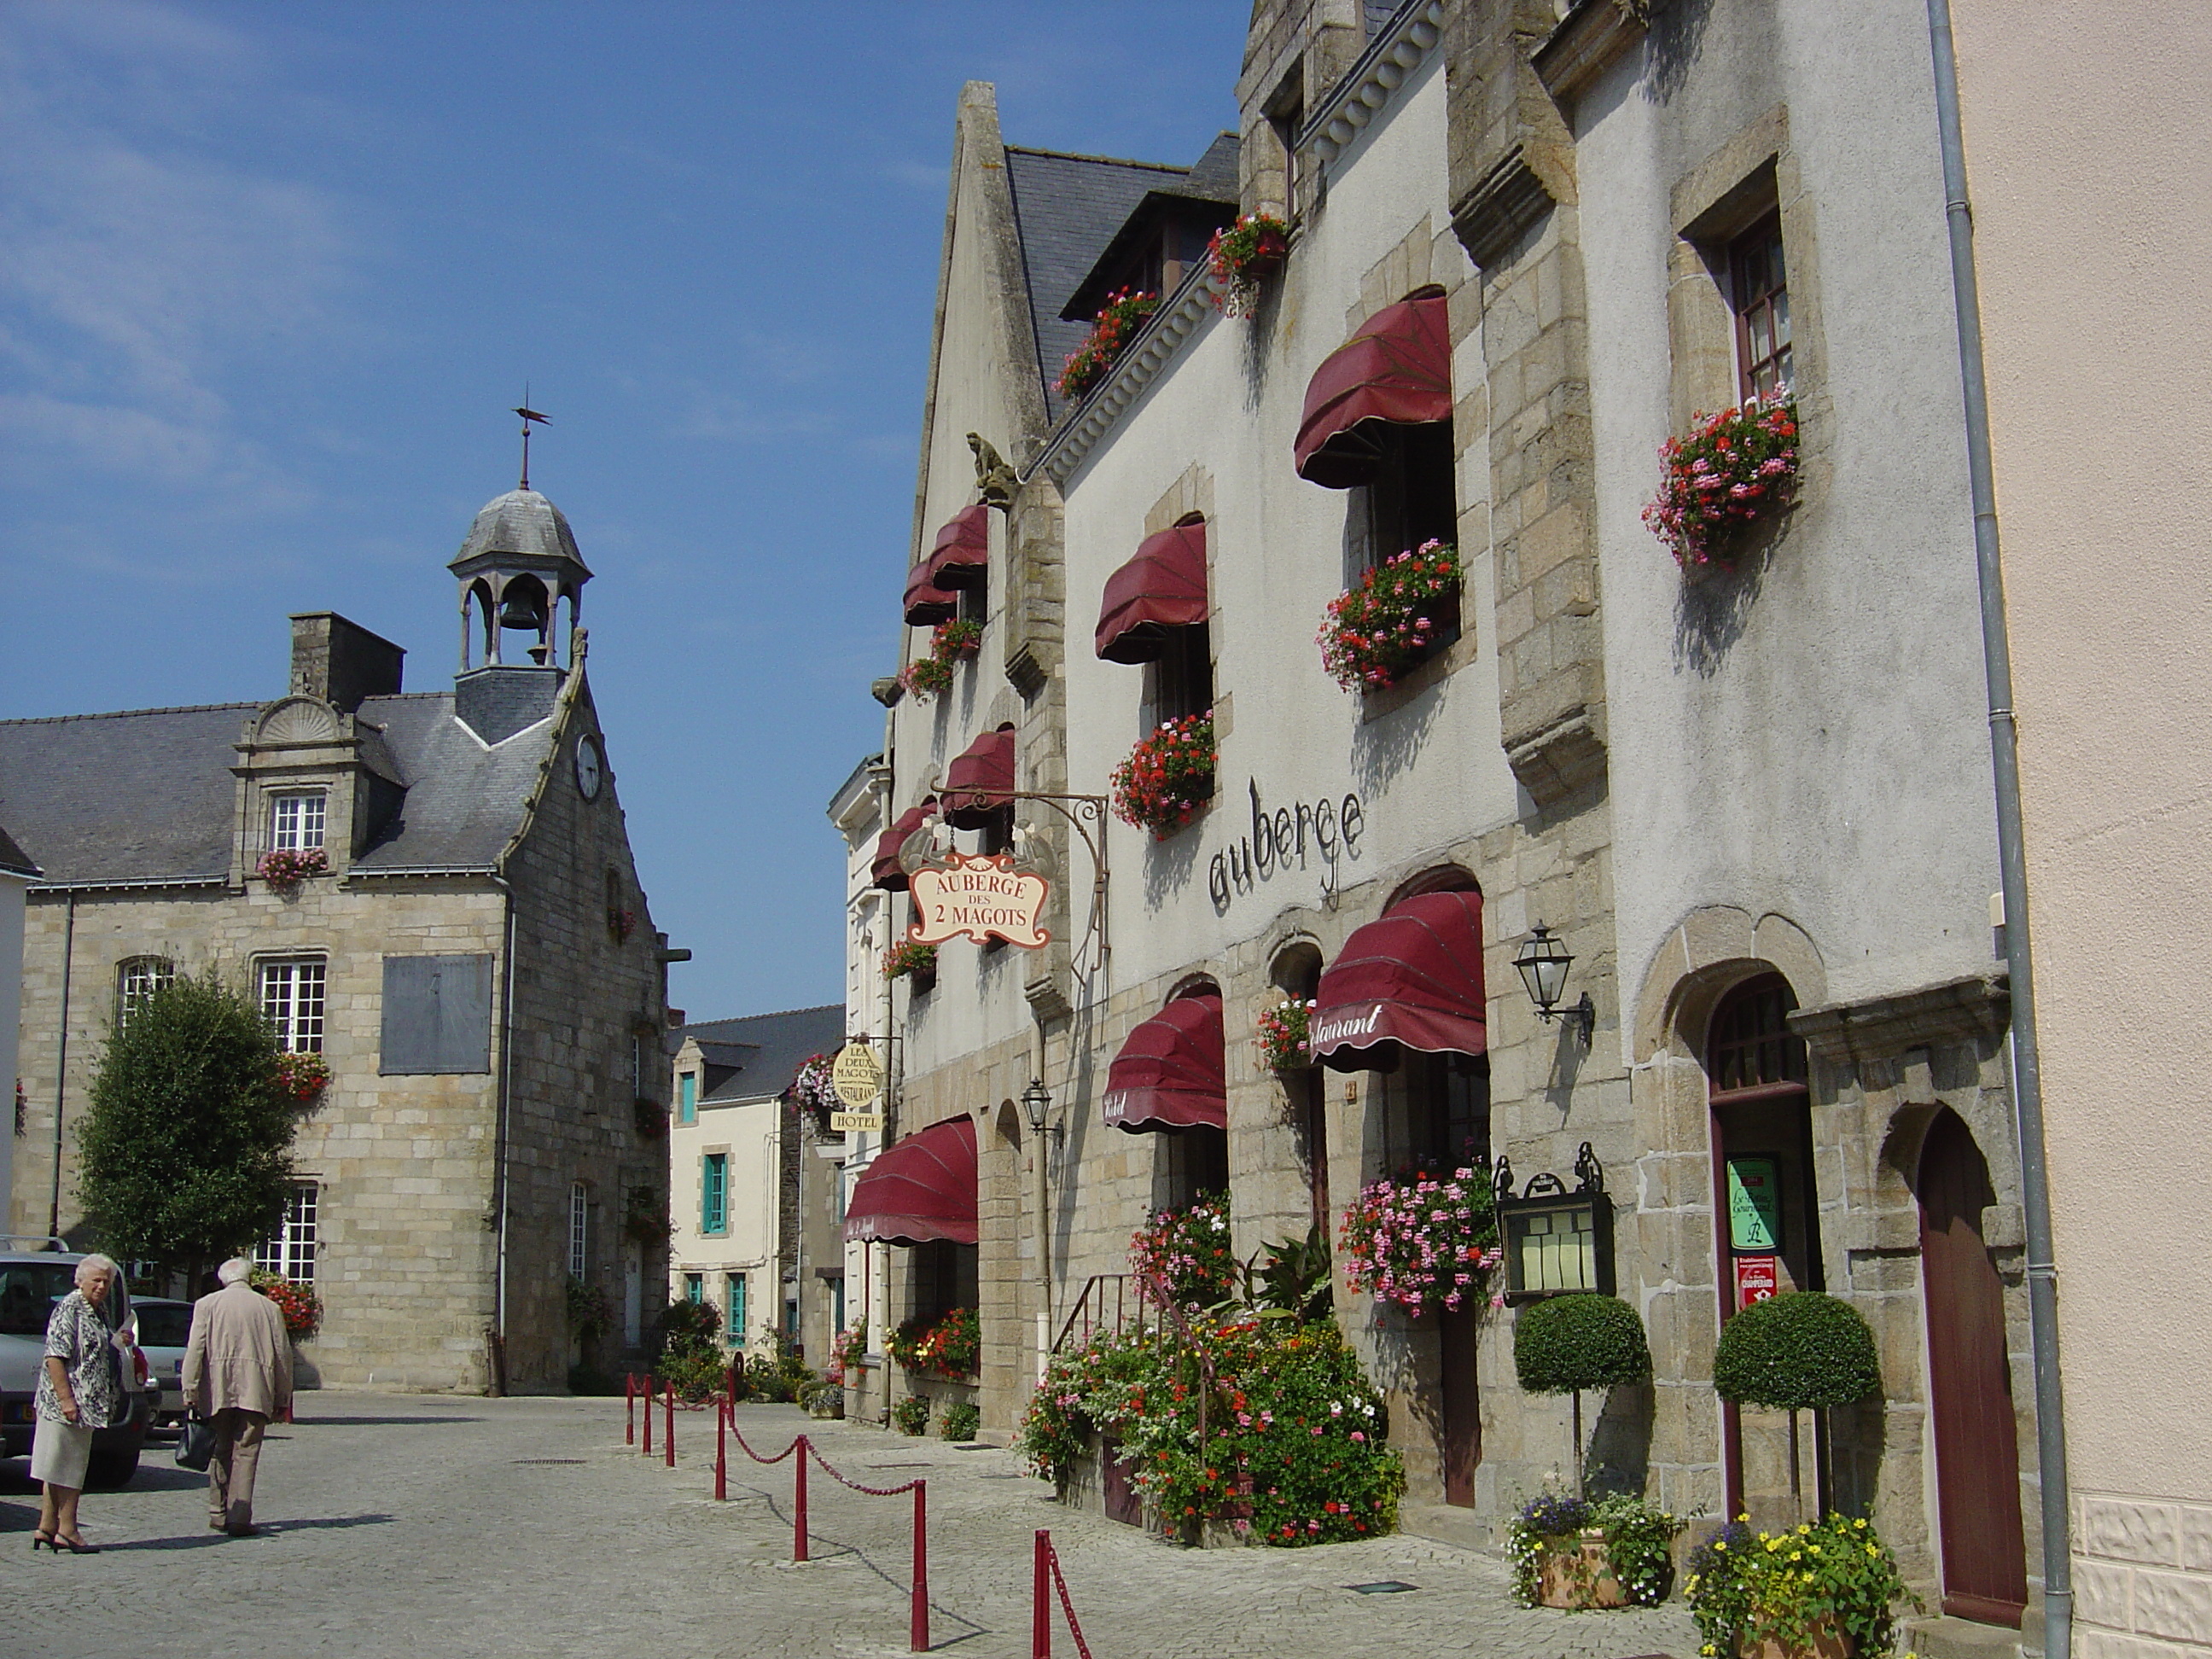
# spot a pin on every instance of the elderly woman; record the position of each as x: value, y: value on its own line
x: 80, y: 1389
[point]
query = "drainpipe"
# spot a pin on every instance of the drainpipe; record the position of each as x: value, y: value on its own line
x: 61, y: 1062
x: 496, y: 1382
x: 2004, y: 754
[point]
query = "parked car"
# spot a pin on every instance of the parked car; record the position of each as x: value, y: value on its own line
x: 163, y: 1328
x: 31, y: 1282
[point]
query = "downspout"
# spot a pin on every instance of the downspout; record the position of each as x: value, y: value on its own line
x: 2004, y: 754
x: 61, y: 1063
x: 496, y: 1382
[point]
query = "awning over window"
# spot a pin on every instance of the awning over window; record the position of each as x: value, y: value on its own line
x: 886, y: 871
x: 1170, y: 1074
x: 1396, y: 369
x: 981, y: 779
x: 926, y: 602
x: 1164, y: 586
x: 921, y: 1186
x: 962, y: 558
x: 1412, y: 977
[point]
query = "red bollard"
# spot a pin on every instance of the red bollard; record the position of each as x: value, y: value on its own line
x: 721, y: 1452
x: 798, y: 1506
x: 630, y: 1408
x: 918, y: 1624
x: 1040, y: 1606
x: 669, y: 1427
x: 645, y: 1399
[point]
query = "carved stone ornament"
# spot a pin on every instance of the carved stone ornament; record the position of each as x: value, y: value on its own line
x: 298, y: 719
x: 994, y: 477
x: 982, y: 896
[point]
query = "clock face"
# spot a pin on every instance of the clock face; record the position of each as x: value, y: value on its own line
x: 591, y: 768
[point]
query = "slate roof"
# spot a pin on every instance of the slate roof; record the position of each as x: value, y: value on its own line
x: 14, y: 858
x: 1214, y: 182
x: 147, y: 795
x: 756, y: 1056
x: 521, y: 521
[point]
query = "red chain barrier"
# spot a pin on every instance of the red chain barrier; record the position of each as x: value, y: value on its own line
x: 722, y: 1409
x: 1047, y: 1566
x: 670, y: 1425
x: 917, y: 1634
x: 645, y: 1398
x: 630, y: 1408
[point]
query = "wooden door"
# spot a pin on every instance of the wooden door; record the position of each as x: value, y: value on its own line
x: 1969, y: 1385
x: 1459, y: 1406
x: 1122, y: 1501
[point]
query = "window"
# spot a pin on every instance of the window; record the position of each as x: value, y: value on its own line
x: 1760, y: 287
x: 296, y: 822
x: 579, y: 1222
x: 686, y: 1097
x: 733, y: 1312
x: 436, y: 1016
x: 289, y: 1253
x: 292, y: 1003
x: 1285, y: 111
x: 1182, y: 676
x: 694, y: 1288
x: 138, y: 979
x: 1411, y: 499
x: 714, y: 1193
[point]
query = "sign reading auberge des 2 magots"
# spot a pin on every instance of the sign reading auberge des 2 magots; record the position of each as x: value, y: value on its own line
x: 980, y: 895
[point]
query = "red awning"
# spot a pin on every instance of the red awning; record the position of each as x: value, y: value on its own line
x: 886, y: 871
x: 1163, y: 588
x: 1412, y: 977
x: 921, y: 1186
x: 1170, y: 1074
x: 1396, y: 369
x: 980, y: 780
x: 962, y: 558
x: 926, y: 602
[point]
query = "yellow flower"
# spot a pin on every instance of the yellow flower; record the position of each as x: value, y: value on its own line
x: 1873, y: 1551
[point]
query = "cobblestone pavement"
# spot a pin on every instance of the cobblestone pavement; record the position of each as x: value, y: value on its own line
x: 432, y: 1527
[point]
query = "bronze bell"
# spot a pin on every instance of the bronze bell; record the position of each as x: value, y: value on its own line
x: 521, y: 610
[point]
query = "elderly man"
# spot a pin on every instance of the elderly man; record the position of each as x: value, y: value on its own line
x: 238, y: 1375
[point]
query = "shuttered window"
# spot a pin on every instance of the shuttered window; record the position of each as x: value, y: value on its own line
x: 714, y: 1193
x: 437, y: 1016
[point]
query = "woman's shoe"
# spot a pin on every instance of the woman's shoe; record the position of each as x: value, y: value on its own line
x: 59, y: 1542
x: 41, y: 1536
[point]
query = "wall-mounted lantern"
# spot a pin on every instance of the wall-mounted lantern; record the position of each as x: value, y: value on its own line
x: 1543, y: 961
x: 1037, y: 1104
x: 1555, y: 1242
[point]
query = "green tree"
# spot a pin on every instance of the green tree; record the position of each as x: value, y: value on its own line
x: 187, y: 1147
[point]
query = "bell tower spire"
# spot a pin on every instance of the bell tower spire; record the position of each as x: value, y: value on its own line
x: 528, y: 416
x: 517, y: 566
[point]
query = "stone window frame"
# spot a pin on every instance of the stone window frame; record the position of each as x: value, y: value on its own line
x: 707, y: 1155
x: 137, y: 978
x: 287, y: 1025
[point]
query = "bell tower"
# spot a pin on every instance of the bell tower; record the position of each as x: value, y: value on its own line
x: 518, y: 565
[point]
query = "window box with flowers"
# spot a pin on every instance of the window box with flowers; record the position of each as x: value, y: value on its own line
x: 915, y: 963
x: 1402, y: 611
x: 1734, y: 469
x: 1242, y: 257
x: 1111, y: 330
x: 285, y: 870
x: 1422, y: 1241
x: 950, y: 1347
x: 1168, y: 777
x: 951, y: 643
x: 1284, y: 1037
x: 295, y: 1300
x: 301, y: 1077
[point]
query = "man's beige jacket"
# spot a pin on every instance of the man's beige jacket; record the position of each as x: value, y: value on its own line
x: 238, y: 1355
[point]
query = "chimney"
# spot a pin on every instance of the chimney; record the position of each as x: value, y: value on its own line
x: 342, y: 662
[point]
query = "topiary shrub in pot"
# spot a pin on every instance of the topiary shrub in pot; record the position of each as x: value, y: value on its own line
x: 1801, y: 1350
x: 1566, y: 1344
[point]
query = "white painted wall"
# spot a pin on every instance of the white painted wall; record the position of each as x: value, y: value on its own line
x: 750, y: 1133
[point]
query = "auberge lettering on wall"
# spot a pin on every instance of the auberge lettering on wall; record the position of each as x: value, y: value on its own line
x: 1279, y: 841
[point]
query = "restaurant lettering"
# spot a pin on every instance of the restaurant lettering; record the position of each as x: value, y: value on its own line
x: 1280, y: 840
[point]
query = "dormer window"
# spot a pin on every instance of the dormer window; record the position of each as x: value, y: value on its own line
x: 296, y: 820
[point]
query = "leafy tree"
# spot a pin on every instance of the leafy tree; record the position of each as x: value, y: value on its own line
x: 187, y: 1147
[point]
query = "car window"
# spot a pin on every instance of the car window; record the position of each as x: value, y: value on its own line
x: 28, y: 1292
x: 164, y: 1326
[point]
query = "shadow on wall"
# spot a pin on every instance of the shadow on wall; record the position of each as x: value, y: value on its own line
x: 1620, y: 1444
x: 1678, y: 34
x: 1383, y: 749
x: 1712, y: 606
x: 1170, y: 866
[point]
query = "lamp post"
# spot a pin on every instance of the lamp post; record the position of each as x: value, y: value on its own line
x: 1037, y: 1108
x: 1543, y: 961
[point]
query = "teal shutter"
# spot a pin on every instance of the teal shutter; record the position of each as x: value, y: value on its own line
x: 687, y: 1093
x: 715, y: 1195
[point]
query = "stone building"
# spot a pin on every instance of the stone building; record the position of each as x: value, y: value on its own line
x: 1752, y: 800
x: 752, y: 1202
x: 461, y: 937
x: 17, y: 873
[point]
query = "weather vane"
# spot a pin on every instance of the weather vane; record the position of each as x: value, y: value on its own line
x: 528, y: 415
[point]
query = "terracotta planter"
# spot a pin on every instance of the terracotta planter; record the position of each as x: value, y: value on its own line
x: 1577, y: 1572
x: 1823, y: 1642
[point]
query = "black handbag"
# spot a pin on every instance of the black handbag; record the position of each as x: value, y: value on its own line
x: 196, y: 1445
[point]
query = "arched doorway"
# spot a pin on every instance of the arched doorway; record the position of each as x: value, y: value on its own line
x: 1969, y: 1384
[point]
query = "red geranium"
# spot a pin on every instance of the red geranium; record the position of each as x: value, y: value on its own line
x: 1734, y: 467
x: 1111, y: 330
x: 1168, y: 776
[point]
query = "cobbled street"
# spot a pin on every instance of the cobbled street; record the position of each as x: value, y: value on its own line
x: 434, y: 1527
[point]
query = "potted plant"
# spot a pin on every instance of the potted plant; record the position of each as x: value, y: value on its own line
x: 302, y: 1077
x: 1566, y: 1344
x: 1168, y: 777
x: 1111, y: 330
x: 950, y: 644
x: 1284, y: 1039
x: 907, y: 960
x: 1733, y: 468
x: 285, y: 871
x: 961, y: 1422
x: 1826, y: 1589
x: 1422, y: 1241
x: 1801, y: 1350
x: 1400, y: 611
x: 845, y: 1355
x: 1240, y: 257
x: 1574, y: 1552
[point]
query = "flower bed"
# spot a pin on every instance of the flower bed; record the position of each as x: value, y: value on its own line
x: 1735, y: 467
x: 911, y: 1415
x: 1401, y: 608
x: 1183, y: 1256
x: 1554, y: 1565
x: 1168, y: 777
x: 1831, y: 1581
x: 846, y: 1354
x: 950, y: 643
x: 302, y: 1077
x: 1424, y: 1241
x: 1241, y: 256
x: 290, y: 869
x: 301, y: 1308
x: 950, y: 1347
x: 1284, y: 1039
x: 1111, y: 330
x: 908, y: 959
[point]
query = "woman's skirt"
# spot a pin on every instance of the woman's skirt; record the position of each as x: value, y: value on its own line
x: 60, y: 1452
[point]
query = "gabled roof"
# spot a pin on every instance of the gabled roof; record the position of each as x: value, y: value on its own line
x: 1207, y: 192
x: 13, y: 859
x: 147, y: 795
x: 756, y: 1057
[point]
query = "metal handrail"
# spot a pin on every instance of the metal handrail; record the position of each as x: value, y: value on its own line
x: 1091, y: 1307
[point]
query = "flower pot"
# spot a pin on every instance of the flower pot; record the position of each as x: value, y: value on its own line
x: 1577, y: 1572
x: 1823, y: 1641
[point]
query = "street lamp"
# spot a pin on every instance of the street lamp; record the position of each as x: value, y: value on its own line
x: 1543, y: 961
x: 1037, y: 1104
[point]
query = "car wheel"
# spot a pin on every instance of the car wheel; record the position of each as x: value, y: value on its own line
x: 111, y: 1469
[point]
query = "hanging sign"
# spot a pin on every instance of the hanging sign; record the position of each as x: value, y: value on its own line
x: 862, y: 1123
x: 857, y: 1077
x: 982, y: 896
x: 1754, y: 1196
x: 1756, y: 1280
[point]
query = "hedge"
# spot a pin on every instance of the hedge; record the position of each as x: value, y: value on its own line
x: 1802, y: 1351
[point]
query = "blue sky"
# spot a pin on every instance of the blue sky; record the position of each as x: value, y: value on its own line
x: 272, y: 275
